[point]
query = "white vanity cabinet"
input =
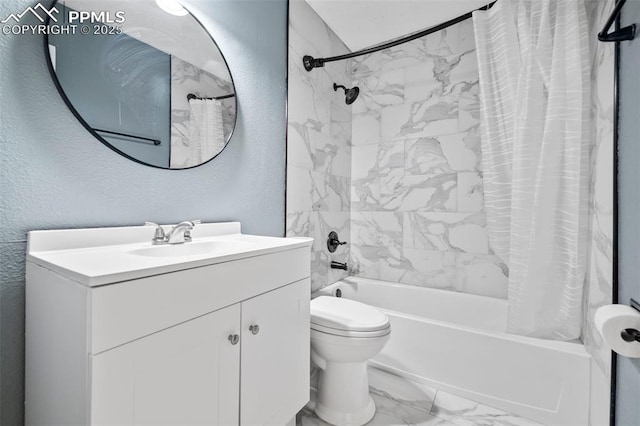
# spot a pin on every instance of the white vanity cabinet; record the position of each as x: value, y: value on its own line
x: 223, y: 343
x: 191, y: 373
x: 188, y: 374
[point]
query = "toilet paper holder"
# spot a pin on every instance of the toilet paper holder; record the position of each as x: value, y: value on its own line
x: 631, y: 334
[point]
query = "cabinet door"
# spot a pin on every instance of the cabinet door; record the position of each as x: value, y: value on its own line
x: 185, y: 375
x: 275, y: 360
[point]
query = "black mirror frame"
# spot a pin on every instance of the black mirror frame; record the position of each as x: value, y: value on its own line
x: 95, y: 134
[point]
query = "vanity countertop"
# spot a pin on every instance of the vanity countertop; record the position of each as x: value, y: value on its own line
x: 100, y: 256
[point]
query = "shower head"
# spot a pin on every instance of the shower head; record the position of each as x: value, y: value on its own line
x: 350, y: 94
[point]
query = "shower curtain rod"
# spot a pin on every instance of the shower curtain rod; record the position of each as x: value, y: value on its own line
x: 310, y: 62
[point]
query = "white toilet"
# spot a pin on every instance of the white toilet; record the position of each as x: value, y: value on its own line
x: 345, y: 334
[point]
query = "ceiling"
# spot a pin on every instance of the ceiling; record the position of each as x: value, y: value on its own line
x: 180, y: 36
x: 365, y: 23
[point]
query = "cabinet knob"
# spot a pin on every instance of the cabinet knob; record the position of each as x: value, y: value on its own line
x: 234, y: 339
x: 254, y: 329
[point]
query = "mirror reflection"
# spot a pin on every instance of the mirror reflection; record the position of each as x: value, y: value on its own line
x: 145, y: 78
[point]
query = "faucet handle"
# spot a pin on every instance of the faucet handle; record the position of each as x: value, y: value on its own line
x: 187, y: 233
x: 159, y: 236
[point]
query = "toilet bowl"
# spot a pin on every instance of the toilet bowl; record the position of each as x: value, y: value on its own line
x: 345, y: 334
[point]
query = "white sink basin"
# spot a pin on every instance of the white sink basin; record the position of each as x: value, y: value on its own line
x: 190, y: 249
x: 100, y: 256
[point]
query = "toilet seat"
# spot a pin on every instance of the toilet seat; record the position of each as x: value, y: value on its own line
x: 348, y: 318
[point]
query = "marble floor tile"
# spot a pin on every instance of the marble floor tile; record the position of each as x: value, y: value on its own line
x: 394, y: 387
x: 463, y: 412
x: 400, y: 401
x: 392, y: 412
x: 388, y: 412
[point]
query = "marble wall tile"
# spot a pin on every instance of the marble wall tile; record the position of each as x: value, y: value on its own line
x: 425, y: 268
x: 462, y: 150
x: 365, y: 194
x: 327, y: 156
x: 319, y: 270
x: 401, y: 192
x: 299, y: 150
x: 459, y: 232
x: 300, y: 224
x: 314, y: 191
x: 365, y: 261
x: 334, y: 192
x: 376, y: 160
x: 340, y: 126
x: 408, y: 148
x: 379, y: 90
x: 300, y: 191
x: 599, y: 279
x: 381, y: 229
x: 482, y: 274
x: 469, y: 117
x: 319, y: 143
x: 441, y: 44
x: 433, y: 117
x: 424, y: 156
x: 364, y: 160
x: 390, y: 157
x: 366, y: 128
x: 459, y: 74
x: 470, y: 192
x: 416, y: 161
x: 420, y: 82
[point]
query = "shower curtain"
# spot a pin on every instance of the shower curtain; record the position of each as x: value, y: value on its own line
x: 533, y: 58
x: 206, y: 129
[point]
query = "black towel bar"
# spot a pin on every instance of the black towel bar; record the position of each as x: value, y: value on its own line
x: 156, y: 142
x: 191, y: 96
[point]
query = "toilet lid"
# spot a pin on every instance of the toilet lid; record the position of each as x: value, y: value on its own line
x: 347, y: 315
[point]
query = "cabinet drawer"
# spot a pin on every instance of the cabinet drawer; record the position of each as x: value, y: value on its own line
x: 126, y: 311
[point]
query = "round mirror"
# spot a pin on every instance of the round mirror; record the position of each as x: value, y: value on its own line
x: 144, y: 77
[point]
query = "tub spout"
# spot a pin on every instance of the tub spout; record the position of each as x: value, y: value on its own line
x: 338, y: 265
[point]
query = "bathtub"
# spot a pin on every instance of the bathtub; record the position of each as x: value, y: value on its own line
x: 457, y: 342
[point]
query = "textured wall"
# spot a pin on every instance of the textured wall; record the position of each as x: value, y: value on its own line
x: 55, y: 175
x: 319, y: 142
x: 417, y: 203
x: 628, y: 369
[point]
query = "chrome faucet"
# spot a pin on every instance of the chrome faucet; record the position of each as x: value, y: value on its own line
x: 181, y: 233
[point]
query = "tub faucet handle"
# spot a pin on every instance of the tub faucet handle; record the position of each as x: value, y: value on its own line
x: 334, y: 241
